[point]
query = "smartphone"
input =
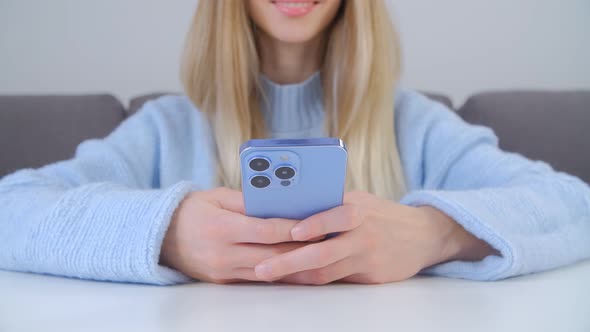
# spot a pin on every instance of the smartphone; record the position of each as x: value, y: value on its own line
x: 292, y: 178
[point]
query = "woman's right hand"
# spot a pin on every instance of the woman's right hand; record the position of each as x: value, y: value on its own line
x: 211, y: 239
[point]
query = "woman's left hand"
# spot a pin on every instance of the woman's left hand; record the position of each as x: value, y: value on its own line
x: 380, y: 241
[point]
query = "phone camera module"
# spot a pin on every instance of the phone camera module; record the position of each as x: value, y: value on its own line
x: 285, y: 173
x: 260, y: 181
x: 259, y: 164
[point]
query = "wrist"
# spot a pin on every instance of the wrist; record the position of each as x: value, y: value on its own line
x: 170, y: 250
x: 451, y: 241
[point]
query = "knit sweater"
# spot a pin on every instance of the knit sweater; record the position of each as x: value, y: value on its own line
x: 103, y: 214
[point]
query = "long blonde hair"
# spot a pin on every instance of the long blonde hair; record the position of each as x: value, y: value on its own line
x: 361, y: 67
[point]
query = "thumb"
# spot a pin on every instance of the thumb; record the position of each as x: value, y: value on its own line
x: 229, y: 199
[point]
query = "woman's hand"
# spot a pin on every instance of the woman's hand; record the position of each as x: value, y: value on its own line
x: 380, y: 242
x: 210, y: 238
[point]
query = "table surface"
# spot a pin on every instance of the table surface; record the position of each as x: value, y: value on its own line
x: 552, y: 301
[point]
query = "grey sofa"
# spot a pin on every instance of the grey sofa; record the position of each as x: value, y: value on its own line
x: 548, y: 126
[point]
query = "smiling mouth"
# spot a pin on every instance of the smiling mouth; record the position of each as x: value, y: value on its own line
x: 296, y: 4
x: 295, y: 8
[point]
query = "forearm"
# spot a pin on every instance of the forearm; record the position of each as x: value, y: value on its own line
x: 98, y: 231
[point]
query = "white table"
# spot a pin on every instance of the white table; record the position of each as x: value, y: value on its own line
x: 552, y: 301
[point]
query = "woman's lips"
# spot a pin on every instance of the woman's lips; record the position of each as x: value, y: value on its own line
x: 295, y: 8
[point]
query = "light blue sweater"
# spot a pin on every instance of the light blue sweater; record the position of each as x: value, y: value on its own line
x: 103, y: 214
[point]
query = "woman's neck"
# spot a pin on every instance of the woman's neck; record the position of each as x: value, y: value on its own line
x: 288, y: 63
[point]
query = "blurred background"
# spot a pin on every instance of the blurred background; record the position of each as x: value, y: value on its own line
x: 131, y: 47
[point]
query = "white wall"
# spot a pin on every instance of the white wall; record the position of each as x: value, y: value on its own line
x: 465, y: 46
x: 131, y: 47
x: 126, y: 47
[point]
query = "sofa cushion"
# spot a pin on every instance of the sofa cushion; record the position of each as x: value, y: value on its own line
x: 548, y: 126
x: 137, y: 103
x: 37, y: 130
x: 440, y: 98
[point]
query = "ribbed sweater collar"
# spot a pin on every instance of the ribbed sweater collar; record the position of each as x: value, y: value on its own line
x: 293, y: 110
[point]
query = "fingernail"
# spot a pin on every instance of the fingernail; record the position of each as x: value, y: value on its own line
x: 263, y: 271
x: 298, y: 233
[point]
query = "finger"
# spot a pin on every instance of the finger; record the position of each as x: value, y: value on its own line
x: 228, y: 199
x: 364, y: 278
x: 334, y: 272
x: 355, y: 279
x: 233, y: 276
x: 249, y: 255
x: 263, y: 231
x: 225, y: 281
x: 309, y: 257
x: 246, y: 274
x: 340, y: 219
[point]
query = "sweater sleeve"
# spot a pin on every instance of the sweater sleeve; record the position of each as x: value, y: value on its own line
x: 538, y: 219
x: 96, y: 216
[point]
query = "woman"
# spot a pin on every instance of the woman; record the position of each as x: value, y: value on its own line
x: 140, y: 205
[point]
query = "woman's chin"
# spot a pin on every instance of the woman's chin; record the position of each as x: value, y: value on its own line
x: 294, y: 36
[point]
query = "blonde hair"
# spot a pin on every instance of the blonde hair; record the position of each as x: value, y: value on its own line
x: 220, y: 73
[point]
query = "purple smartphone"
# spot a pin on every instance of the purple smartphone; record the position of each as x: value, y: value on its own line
x: 292, y: 178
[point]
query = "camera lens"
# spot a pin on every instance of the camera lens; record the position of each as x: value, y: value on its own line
x: 285, y: 173
x: 259, y: 164
x: 260, y: 181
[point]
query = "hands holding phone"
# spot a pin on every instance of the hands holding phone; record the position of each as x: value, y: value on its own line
x: 210, y: 239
